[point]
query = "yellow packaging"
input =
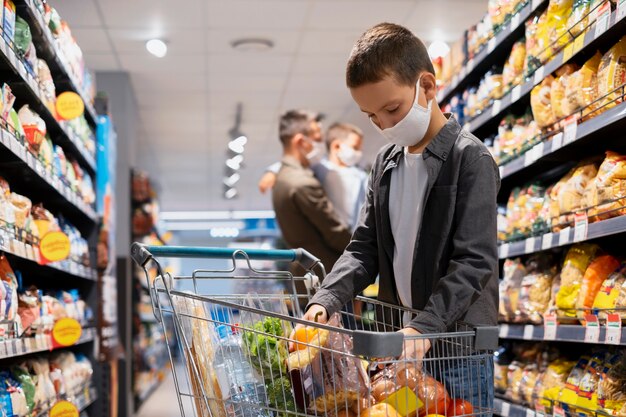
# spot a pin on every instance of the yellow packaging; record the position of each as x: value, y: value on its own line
x: 612, y: 74
x: 588, y: 387
x: 609, y: 293
x: 540, y: 103
x: 558, y: 13
x: 579, y: 19
x: 569, y: 393
x: 571, y: 194
x: 611, y: 395
x: 576, y: 262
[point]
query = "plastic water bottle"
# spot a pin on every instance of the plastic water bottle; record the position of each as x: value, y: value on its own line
x: 243, y: 390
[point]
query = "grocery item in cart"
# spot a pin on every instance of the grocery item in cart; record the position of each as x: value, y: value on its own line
x: 611, y: 394
x: 541, y: 104
x: 612, y: 294
x: 576, y: 262
x: 606, y: 194
x: 612, y: 74
x: 597, y: 272
x: 588, y: 387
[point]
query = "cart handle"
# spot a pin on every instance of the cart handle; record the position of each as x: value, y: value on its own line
x: 144, y: 253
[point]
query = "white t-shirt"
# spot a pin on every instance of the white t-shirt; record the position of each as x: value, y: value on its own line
x: 406, y: 204
x: 345, y: 187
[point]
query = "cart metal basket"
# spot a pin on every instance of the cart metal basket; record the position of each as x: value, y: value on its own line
x: 235, y: 347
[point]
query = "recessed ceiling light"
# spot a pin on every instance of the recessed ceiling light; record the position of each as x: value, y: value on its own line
x: 252, y: 44
x: 157, y: 47
x: 438, y: 49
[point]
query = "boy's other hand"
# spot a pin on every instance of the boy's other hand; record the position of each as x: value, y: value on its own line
x: 315, y: 310
x: 414, y: 349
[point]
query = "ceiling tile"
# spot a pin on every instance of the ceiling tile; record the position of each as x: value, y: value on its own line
x: 445, y: 23
x: 78, y: 13
x: 253, y: 83
x: 328, y: 42
x: 285, y: 41
x: 357, y: 15
x: 254, y: 14
x: 331, y: 64
x: 153, y: 14
x: 92, y: 40
x: 179, y: 41
x: 156, y: 81
x: 101, y: 62
x: 249, y: 99
x: 165, y: 100
x: 176, y: 66
x: 255, y: 64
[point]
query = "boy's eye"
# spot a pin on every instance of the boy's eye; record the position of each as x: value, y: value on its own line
x: 393, y: 109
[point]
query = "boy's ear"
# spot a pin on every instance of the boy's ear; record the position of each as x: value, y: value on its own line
x: 429, y: 83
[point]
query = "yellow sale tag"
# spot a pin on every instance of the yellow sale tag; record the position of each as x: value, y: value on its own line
x: 66, y: 332
x: 70, y: 105
x: 568, y: 52
x: 54, y: 247
x: 64, y: 409
x: 579, y: 42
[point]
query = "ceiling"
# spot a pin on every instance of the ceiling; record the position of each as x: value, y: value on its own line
x: 187, y: 100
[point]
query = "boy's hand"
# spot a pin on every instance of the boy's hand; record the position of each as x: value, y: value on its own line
x: 414, y: 349
x: 310, y: 316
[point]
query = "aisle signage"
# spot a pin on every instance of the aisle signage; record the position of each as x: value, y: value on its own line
x: 54, y: 247
x: 613, y: 329
x: 564, y: 236
x: 621, y: 10
x: 546, y: 241
x: 66, y: 332
x: 64, y: 409
x: 592, y: 329
x: 581, y: 227
x: 550, y: 326
x: 69, y: 105
x: 602, y: 22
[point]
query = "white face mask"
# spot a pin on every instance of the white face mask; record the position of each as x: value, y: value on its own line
x: 316, y: 154
x: 412, y: 129
x: 348, y: 155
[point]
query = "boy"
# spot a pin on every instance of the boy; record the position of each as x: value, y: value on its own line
x: 428, y: 225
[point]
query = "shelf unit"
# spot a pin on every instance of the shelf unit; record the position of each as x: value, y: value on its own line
x: 28, y: 176
x: 572, y: 333
x: 507, y: 408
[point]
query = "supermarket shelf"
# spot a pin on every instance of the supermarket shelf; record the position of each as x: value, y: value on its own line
x: 497, y: 46
x: 585, y: 132
x: 506, y: 408
x: 26, y: 90
x: 46, y: 184
x: 30, y: 256
x: 564, y: 333
x: 147, y: 318
x: 53, y: 56
x: 615, y: 28
x: 85, y: 397
x: 565, y: 237
x: 14, y: 348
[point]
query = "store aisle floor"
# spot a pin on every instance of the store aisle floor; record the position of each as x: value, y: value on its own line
x: 163, y: 402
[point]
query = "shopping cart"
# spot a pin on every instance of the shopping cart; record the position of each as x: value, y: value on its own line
x: 236, y: 360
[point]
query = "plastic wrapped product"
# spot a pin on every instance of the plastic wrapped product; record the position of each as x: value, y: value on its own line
x: 530, y: 376
x: 569, y: 393
x: 34, y: 127
x: 611, y: 394
x: 540, y: 103
x: 595, y: 275
x: 612, y: 74
x: 576, y: 262
x: 516, y: 372
x: 607, y: 193
x: 571, y: 194
x: 588, y: 387
x: 554, y: 380
x: 558, y: 13
x: 23, y: 37
x: 513, y: 71
x: 532, y: 46
x: 514, y: 272
x: 12, y: 396
x: 21, y: 206
x: 536, y: 286
x: 557, y: 91
x: 20, y: 373
x: 46, y: 85
x: 581, y: 87
x: 612, y: 294
x: 579, y: 19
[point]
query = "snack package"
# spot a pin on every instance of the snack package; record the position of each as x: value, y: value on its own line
x: 21, y: 206
x: 324, y: 362
x: 581, y: 87
x: 543, y: 39
x: 514, y: 273
x: 34, y: 128
x: 502, y: 360
x: 540, y: 103
x: 535, y: 287
x: 612, y: 294
x: 530, y: 376
x: 12, y: 396
x: 576, y: 262
x: 8, y: 21
x: 579, y: 19
x: 44, y: 388
x: 607, y: 192
x: 516, y: 372
x: 571, y: 194
x: 21, y: 374
x: 8, y: 304
x: 569, y: 394
x: 23, y: 37
x: 513, y: 71
x: 532, y: 46
x: 554, y: 380
x: 46, y: 85
x: 612, y: 74
x: 558, y: 13
x: 611, y: 394
x: 29, y: 309
x: 595, y: 275
x: 557, y: 91
x: 588, y: 387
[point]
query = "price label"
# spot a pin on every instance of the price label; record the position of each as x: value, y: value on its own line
x: 30, y: 160
x: 504, y: 331
x: 504, y: 250
x: 579, y: 42
x: 549, y: 326
x: 501, y: 171
x: 592, y: 329
x: 546, y: 241
x: 539, y: 75
x: 564, y: 236
x: 530, y: 413
x: 516, y: 93
x: 470, y: 65
x: 568, y: 52
x: 10, y: 348
x: 19, y: 347
x: 4, y: 138
x: 602, y: 22
x: 558, y: 411
x: 515, y: 21
x: 529, y: 158
x: 557, y: 141
x: 530, y: 245
x: 529, y: 329
x: 12, y: 57
x: 22, y: 69
x: 496, y: 107
x: 621, y: 9
x: 3, y: 349
x: 569, y: 131
x: 581, y: 226
x: 535, y: 4
x: 491, y: 45
x: 506, y: 409
x: 613, y: 329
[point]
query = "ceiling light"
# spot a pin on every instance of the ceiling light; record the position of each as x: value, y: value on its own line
x: 252, y: 44
x: 236, y: 145
x: 232, y: 180
x: 234, y: 163
x: 438, y: 49
x: 157, y: 47
x: 230, y: 193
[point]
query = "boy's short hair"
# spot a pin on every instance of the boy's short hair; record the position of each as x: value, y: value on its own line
x: 340, y: 131
x: 293, y: 122
x: 387, y: 49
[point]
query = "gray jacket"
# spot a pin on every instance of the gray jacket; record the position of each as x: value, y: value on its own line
x: 455, y: 264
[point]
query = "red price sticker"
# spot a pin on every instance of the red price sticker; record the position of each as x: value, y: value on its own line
x: 550, y: 326
x: 581, y: 227
x: 602, y: 22
x: 592, y: 329
x: 613, y: 329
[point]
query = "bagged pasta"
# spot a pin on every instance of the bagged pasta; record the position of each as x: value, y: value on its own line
x: 576, y: 262
x: 611, y: 393
x: 535, y: 287
x: 569, y: 394
x: 516, y: 372
x: 581, y: 87
x: 612, y: 74
x: 595, y: 275
x: 502, y: 360
x: 554, y: 380
x: 557, y: 91
x: 612, y: 294
x: 571, y: 194
x: 513, y: 71
x: 559, y: 12
x: 579, y: 19
x: 514, y: 272
x: 540, y: 103
x: 606, y: 195
x: 588, y: 387
x: 532, y: 61
x: 530, y: 376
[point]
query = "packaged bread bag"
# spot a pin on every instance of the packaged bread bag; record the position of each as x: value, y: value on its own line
x: 612, y: 294
x: 597, y: 272
x: 540, y: 103
x: 569, y: 394
x: 559, y: 12
x: 576, y: 262
x: 611, y: 393
x: 612, y: 74
x: 514, y: 272
x: 581, y: 87
x: 588, y: 387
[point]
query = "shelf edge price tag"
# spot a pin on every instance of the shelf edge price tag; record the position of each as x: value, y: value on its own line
x: 549, y: 326
x: 621, y: 10
x: 491, y: 45
x: 504, y: 331
x: 579, y: 42
x: 506, y: 409
x: 530, y: 413
x: 529, y: 157
x: 66, y: 332
x: 504, y: 250
x: 529, y: 330
x: 564, y: 236
x: 569, y: 131
x: 568, y: 52
x: 516, y: 93
x: 496, y: 107
x: 602, y: 21
x: 529, y: 246
x: 64, y: 409
x: 557, y: 142
x: 581, y: 227
x: 501, y: 170
x: 613, y: 329
x: 535, y: 4
x: 539, y: 75
x: 592, y: 329
x: 515, y: 21
x: 546, y: 241
x: 558, y: 411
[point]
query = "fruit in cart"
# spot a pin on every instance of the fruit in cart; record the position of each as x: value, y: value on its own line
x: 305, y: 335
x: 459, y: 407
x: 381, y: 410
